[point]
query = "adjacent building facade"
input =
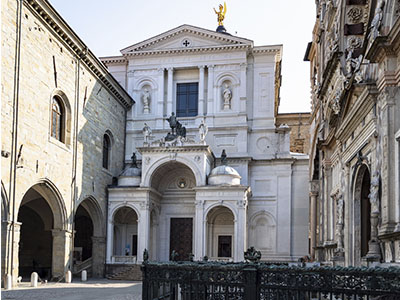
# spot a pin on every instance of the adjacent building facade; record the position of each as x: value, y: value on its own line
x: 63, y: 130
x: 182, y: 196
x: 355, y: 132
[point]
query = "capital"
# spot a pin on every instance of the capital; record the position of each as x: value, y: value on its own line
x: 201, y: 67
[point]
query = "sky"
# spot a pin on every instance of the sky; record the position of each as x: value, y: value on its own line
x: 107, y: 26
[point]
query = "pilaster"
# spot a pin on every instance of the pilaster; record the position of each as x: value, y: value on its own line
x: 210, y: 90
x: 61, y: 251
x: 170, y: 91
x: 243, y: 87
x: 160, y: 101
x: 99, y: 250
x: 201, y: 91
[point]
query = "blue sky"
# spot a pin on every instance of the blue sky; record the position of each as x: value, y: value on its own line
x: 108, y: 26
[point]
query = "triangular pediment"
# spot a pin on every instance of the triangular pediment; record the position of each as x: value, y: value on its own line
x: 186, y: 36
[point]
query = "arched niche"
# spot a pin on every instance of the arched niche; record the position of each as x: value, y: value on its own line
x: 262, y: 232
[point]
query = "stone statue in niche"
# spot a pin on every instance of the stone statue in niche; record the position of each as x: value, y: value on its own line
x: 203, y: 130
x: 227, y: 96
x: 374, y: 193
x: 339, y: 221
x: 146, y: 101
x: 146, y: 133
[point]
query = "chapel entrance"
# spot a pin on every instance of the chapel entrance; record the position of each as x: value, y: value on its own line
x: 181, y: 237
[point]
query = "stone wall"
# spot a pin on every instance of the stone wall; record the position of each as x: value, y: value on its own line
x: 51, y: 65
x: 299, y: 124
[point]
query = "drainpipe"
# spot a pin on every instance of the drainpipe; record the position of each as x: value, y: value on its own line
x: 75, y: 153
x: 14, y: 140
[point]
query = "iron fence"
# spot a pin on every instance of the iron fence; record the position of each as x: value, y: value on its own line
x: 260, y: 281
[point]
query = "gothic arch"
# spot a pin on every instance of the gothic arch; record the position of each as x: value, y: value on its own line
x: 54, y: 199
x: 4, y: 204
x: 96, y: 214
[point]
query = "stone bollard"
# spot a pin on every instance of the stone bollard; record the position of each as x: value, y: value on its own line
x: 84, y: 275
x: 34, y: 279
x: 68, y: 277
x: 8, y: 282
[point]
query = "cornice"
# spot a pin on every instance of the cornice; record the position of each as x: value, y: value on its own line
x: 113, y: 60
x: 180, y: 149
x: 188, y: 50
x: 49, y: 16
x: 267, y: 49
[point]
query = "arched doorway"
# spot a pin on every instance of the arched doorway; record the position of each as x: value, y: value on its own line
x: 362, y: 212
x: 125, y: 235
x: 43, y: 245
x: 89, y: 239
x: 220, y: 233
x: 83, y: 235
x: 174, y: 224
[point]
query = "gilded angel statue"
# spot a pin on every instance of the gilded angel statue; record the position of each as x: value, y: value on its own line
x: 221, y: 14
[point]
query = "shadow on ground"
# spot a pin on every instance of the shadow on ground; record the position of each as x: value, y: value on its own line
x: 99, y: 289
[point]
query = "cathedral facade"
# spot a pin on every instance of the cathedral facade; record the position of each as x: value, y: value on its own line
x: 174, y: 147
x: 224, y: 179
x: 355, y: 133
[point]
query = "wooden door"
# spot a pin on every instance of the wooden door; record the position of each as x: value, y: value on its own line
x: 181, y: 237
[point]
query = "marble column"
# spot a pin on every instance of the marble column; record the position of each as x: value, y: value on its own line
x: 61, y: 252
x: 201, y: 92
x: 170, y: 91
x: 243, y: 87
x: 143, y: 229
x: 210, y: 90
x: 110, y: 241
x: 160, y: 100
x: 199, y: 231
x: 98, y: 253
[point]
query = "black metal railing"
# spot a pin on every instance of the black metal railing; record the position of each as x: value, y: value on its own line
x: 259, y: 281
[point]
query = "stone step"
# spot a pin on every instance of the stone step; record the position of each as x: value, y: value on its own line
x: 131, y: 272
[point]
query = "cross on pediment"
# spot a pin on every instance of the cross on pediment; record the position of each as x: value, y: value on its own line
x: 186, y: 43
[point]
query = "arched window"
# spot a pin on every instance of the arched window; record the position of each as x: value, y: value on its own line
x: 106, y: 151
x: 57, y: 119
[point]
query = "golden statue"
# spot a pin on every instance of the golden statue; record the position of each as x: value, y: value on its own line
x: 221, y: 14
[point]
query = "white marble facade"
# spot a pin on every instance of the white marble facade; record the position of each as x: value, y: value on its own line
x: 238, y: 90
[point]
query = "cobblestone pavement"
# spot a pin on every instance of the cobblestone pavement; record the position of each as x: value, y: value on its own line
x: 101, y: 289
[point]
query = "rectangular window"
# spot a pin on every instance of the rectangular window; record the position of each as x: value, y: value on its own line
x: 134, y: 244
x: 186, y: 99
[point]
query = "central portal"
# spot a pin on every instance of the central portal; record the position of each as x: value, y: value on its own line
x: 181, y: 237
